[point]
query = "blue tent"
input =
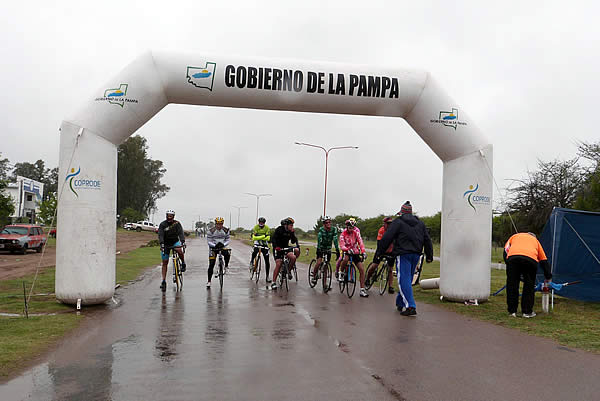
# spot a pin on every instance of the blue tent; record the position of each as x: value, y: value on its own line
x: 571, y: 240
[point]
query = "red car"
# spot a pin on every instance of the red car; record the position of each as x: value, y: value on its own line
x: 21, y: 237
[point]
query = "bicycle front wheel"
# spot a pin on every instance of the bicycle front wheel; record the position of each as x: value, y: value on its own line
x: 257, y: 268
x: 342, y: 283
x: 351, y: 278
x: 310, y: 269
x: 221, y: 273
x: 373, y: 278
x: 384, y: 275
x: 327, y: 272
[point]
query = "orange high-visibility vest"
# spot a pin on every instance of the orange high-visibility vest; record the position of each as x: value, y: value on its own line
x: 525, y: 245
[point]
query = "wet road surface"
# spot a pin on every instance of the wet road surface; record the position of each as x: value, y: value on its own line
x: 250, y: 343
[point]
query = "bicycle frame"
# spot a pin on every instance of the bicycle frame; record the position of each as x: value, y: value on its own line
x: 177, y: 273
x: 255, y: 268
x: 283, y: 271
x: 221, y: 263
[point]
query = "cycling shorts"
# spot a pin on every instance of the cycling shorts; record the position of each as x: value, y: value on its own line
x: 322, y: 252
x: 165, y: 255
x: 354, y: 258
x: 390, y: 259
x: 281, y: 254
x: 212, y: 253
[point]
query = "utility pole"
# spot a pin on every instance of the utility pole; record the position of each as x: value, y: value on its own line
x: 258, y: 196
x: 326, y: 162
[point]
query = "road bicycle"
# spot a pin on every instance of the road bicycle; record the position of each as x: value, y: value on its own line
x: 177, y: 273
x: 255, y: 267
x: 285, y: 268
x: 324, y: 272
x: 381, y: 275
x: 418, y: 270
x: 348, y: 283
x: 221, y: 264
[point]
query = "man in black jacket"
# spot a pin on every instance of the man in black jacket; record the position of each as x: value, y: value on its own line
x: 409, y: 236
x: 170, y: 236
x: 283, y: 235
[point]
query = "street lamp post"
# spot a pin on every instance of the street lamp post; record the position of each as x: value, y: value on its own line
x: 326, y: 164
x: 239, y: 208
x: 257, y: 198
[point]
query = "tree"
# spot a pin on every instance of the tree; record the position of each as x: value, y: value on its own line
x: 589, y: 195
x: 555, y: 184
x: 35, y: 171
x: 7, y: 207
x: 434, y: 224
x: 48, y: 210
x: 129, y: 215
x: 138, y: 177
x: 38, y: 172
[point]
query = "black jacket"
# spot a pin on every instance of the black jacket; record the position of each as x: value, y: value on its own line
x: 281, y: 238
x: 169, y: 234
x: 409, y: 235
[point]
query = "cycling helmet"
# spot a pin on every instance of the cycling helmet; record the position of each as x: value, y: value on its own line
x: 326, y: 218
x: 387, y: 219
x: 262, y: 220
x: 219, y: 220
x: 287, y: 221
x: 350, y: 223
x: 170, y: 211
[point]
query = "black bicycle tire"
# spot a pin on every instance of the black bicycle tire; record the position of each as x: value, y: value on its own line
x: 180, y: 274
x: 418, y: 271
x: 258, y: 268
x: 310, y: 269
x: 342, y: 282
x: 295, y: 272
x: 252, y: 269
x: 352, y: 273
x: 285, y: 275
x: 373, y: 278
x: 221, y: 273
x: 384, y: 275
x: 327, y: 273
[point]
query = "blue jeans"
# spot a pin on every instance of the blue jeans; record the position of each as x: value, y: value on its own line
x: 405, y: 269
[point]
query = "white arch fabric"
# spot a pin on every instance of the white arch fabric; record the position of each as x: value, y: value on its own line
x: 85, y: 261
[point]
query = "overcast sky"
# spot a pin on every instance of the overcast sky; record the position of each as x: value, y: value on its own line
x: 525, y: 72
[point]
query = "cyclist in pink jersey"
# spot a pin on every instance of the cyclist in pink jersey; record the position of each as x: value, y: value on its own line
x: 352, y: 245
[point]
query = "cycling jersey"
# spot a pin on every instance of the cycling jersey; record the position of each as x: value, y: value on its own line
x: 380, y: 236
x: 282, y: 238
x: 352, y: 241
x: 214, y: 237
x: 326, y: 237
x: 261, y: 234
x: 170, y: 233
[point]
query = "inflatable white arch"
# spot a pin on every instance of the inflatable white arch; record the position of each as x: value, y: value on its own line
x: 85, y: 258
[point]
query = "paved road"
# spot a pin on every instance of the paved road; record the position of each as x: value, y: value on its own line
x: 250, y: 343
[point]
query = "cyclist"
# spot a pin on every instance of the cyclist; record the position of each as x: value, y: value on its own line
x: 217, y: 239
x: 170, y: 236
x: 388, y: 256
x: 354, y: 248
x: 327, y: 235
x: 261, y: 235
x: 338, y: 276
x: 283, y: 235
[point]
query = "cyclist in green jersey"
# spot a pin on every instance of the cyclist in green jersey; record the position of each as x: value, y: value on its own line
x: 261, y: 235
x: 327, y: 236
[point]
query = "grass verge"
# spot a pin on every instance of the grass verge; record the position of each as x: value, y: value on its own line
x: 25, y: 339
x: 572, y: 323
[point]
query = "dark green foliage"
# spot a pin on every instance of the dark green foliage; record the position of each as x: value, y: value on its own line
x: 48, y: 210
x: 434, y: 225
x: 138, y: 177
x: 130, y: 215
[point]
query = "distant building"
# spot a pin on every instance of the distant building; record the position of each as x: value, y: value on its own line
x: 27, y: 196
